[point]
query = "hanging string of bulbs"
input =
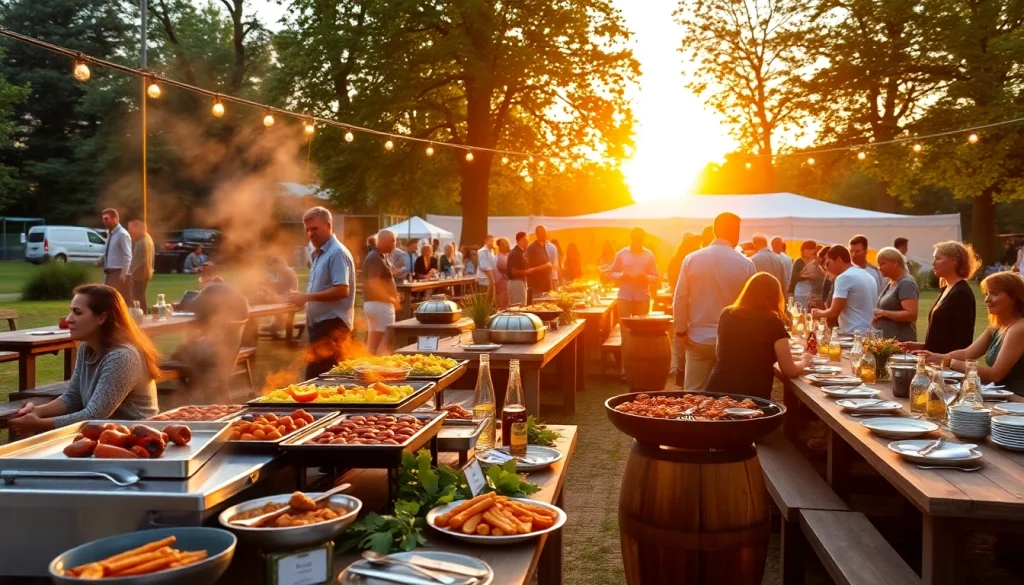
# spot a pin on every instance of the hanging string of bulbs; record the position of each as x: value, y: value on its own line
x: 154, y: 90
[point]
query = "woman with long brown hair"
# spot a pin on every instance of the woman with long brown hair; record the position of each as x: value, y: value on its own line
x: 1002, y: 343
x: 116, y: 369
x: 752, y: 337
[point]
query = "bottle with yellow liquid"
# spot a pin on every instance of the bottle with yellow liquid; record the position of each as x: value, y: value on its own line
x: 835, y: 351
x: 919, y: 388
x: 868, y: 368
x: 935, y: 409
x: 483, y: 404
x: 823, y: 339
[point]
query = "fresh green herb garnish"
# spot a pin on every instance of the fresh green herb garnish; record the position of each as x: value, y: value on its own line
x: 420, y: 482
x: 504, y: 480
x: 539, y: 434
x: 402, y: 531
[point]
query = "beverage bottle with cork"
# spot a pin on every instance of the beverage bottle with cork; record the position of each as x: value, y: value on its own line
x: 823, y: 339
x: 812, y: 342
x: 935, y: 408
x: 483, y: 404
x: 513, y: 414
x: 835, y: 351
x: 919, y: 387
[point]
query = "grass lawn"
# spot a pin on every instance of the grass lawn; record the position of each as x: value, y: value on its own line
x: 928, y: 299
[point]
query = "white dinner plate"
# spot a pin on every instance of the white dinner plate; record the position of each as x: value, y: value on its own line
x: 498, y: 540
x: 995, y: 393
x: 952, y: 375
x: 822, y: 380
x: 1012, y: 408
x: 1009, y: 422
x: 869, y: 405
x: 822, y: 369
x: 820, y: 361
x: 42, y: 333
x: 850, y: 391
x: 481, y: 347
x: 537, y: 457
x: 1018, y: 448
x: 350, y: 576
x: 899, y: 427
x: 949, y: 453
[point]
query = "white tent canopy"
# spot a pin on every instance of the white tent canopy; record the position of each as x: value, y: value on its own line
x: 416, y: 228
x: 790, y: 216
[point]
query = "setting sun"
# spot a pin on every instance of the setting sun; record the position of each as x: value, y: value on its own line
x: 676, y: 136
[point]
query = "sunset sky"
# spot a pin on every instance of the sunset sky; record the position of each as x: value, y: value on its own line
x: 676, y: 136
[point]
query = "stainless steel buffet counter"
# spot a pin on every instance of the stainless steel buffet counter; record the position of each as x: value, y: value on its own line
x: 42, y: 517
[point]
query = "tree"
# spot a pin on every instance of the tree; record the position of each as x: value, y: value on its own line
x: 10, y: 96
x: 748, y: 59
x: 540, y: 76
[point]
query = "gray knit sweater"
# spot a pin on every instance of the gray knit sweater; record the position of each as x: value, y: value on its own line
x: 115, y: 385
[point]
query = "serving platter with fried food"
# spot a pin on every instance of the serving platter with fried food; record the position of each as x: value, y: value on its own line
x: 496, y: 520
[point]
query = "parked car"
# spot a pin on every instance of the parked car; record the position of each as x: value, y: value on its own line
x: 179, y: 244
x: 64, y: 243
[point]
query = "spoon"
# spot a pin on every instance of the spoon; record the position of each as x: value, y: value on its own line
x: 505, y: 457
x: 120, y: 477
x: 743, y: 412
x: 964, y: 469
x: 255, y: 522
x: 375, y: 557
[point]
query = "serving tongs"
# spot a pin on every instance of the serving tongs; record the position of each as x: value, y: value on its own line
x: 258, y: 520
x: 118, y: 477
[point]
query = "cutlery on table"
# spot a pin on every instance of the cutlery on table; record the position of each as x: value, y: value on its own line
x: 447, y: 567
x: 505, y: 457
x: 964, y: 469
x: 377, y: 558
x: 398, y: 577
x: 924, y: 451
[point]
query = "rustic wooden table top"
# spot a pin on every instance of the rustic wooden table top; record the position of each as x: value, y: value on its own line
x: 412, y: 323
x: 418, y: 285
x: 513, y: 565
x: 996, y: 491
x: 543, y: 351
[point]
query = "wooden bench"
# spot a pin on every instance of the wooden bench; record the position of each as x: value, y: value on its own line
x: 48, y: 391
x: 852, y: 550
x: 612, y: 346
x: 12, y: 325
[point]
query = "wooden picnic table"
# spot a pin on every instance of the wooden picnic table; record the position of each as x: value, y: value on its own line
x: 407, y: 331
x: 951, y: 502
x: 514, y: 564
x: 29, y: 343
x: 600, y: 319
x: 406, y: 290
x: 560, y: 346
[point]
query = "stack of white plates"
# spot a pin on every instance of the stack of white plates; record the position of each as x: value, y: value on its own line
x: 1014, y: 408
x: 1008, y: 432
x: 969, y: 423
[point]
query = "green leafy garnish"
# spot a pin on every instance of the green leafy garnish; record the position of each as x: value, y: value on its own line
x: 504, y: 480
x: 539, y: 434
x: 402, y: 531
x: 420, y: 482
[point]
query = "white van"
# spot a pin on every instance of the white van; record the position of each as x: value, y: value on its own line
x: 64, y: 243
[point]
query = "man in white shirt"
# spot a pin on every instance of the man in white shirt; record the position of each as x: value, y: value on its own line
x: 854, y: 295
x: 766, y: 260
x: 488, y: 264
x: 779, y: 247
x: 709, y: 280
x: 859, y: 255
x: 117, y: 256
x: 404, y: 261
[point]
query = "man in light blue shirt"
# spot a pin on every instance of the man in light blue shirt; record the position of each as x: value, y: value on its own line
x: 194, y: 261
x: 117, y: 256
x: 854, y: 296
x: 330, y: 294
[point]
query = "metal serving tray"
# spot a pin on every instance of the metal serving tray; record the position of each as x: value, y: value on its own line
x: 301, y: 450
x: 448, y: 372
x: 423, y: 392
x: 320, y: 419
x: 45, y: 452
x: 459, y: 435
x: 169, y: 415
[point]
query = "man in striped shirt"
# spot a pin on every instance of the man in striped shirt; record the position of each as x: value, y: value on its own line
x: 117, y: 257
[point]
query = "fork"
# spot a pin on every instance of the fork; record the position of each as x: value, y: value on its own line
x: 688, y: 413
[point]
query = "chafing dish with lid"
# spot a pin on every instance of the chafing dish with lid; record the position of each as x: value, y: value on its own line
x: 516, y: 328
x: 438, y: 310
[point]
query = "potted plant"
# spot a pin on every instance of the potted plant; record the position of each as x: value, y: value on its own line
x: 480, y: 308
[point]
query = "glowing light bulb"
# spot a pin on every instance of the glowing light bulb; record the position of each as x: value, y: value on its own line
x: 973, y: 138
x: 504, y: 160
x: 310, y: 129
x: 917, y: 148
x: 861, y: 155
x: 268, y: 119
x: 810, y: 160
x: 389, y: 145
x: 218, y: 108
x: 349, y: 137
x: 153, y: 90
x: 82, y: 72
x: 529, y: 179
x: 748, y: 165
x: 469, y: 157
x: 430, y: 151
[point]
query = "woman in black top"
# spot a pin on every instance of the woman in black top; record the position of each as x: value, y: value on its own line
x: 951, y: 320
x: 426, y: 265
x: 752, y: 338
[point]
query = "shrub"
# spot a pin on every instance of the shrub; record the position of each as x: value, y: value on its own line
x: 55, y: 282
x: 926, y: 279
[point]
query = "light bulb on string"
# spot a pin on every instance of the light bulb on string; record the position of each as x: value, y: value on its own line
x: 82, y: 72
x: 430, y: 150
x: 528, y: 179
x: 310, y: 128
x: 469, y: 156
x: 218, y: 108
x: 349, y: 136
x: 389, y: 145
x: 154, y: 90
x: 504, y: 160
x: 862, y: 155
x: 810, y: 161
x: 917, y: 148
x: 268, y: 119
x: 748, y: 165
x: 973, y: 138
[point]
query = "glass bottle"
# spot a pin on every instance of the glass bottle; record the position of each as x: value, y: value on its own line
x: 856, y: 355
x: 919, y: 387
x: 868, y: 368
x: 823, y: 339
x: 136, y: 312
x: 812, y: 343
x: 513, y: 414
x: 935, y: 409
x: 970, y: 388
x: 483, y: 403
x: 835, y: 351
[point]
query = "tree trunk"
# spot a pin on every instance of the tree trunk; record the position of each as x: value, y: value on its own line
x: 475, y: 194
x: 885, y: 202
x: 983, y: 226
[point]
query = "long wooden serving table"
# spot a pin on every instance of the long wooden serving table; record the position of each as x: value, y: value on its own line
x: 29, y: 343
x: 407, y: 331
x: 951, y: 502
x: 562, y: 344
x: 406, y: 290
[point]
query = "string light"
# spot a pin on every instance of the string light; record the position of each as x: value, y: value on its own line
x: 469, y: 156
x: 218, y: 108
x: 310, y: 128
x: 862, y: 155
x: 153, y: 90
x: 973, y: 138
x: 349, y: 136
x: 748, y: 165
x: 268, y: 119
x: 810, y: 161
x: 82, y: 72
x: 504, y: 160
x: 917, y: 147
x: 528, y: 179
x: 430, y: 151
x: 389, y: 145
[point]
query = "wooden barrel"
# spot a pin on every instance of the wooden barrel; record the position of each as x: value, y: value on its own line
x: 693, y: 517
x: 646, y: 356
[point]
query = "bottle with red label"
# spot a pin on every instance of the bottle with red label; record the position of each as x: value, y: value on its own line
x: 812, y: 343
